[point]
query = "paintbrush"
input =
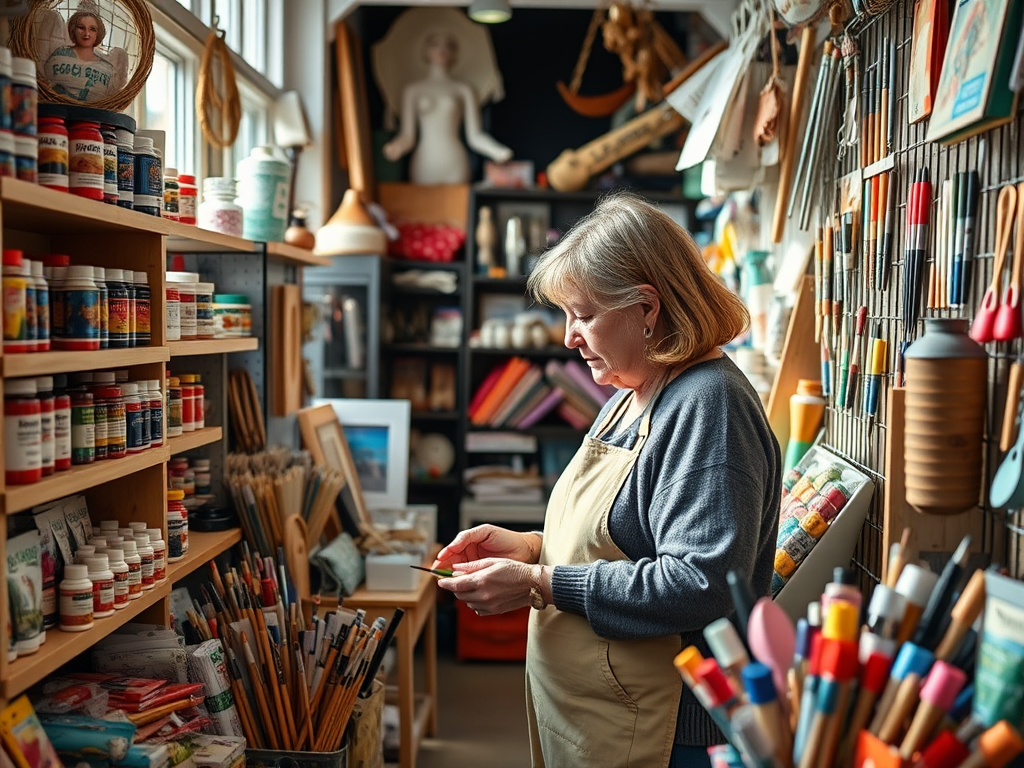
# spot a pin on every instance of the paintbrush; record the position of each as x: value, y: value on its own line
x: 446, y: 573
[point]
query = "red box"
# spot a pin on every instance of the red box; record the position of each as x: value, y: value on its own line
x: 491, y: 638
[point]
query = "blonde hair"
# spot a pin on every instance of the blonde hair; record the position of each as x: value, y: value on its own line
x: 625, y: 243
x: 81, y: 13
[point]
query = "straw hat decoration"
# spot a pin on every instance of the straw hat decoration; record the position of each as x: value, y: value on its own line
x: 398, y: 57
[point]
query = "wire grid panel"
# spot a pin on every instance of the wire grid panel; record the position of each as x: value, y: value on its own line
x: 997, y: 156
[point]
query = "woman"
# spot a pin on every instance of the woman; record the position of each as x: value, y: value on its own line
x: 677, y: 483
x: 76, y: 70
x: 437, y: 106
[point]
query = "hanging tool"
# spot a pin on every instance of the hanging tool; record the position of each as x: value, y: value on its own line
x: 984, y: 321
x: 1007, y: 325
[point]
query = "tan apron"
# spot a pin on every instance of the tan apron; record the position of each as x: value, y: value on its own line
x: 590, y: 701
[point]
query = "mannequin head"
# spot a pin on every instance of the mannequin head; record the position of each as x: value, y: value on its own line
x: 86, y: 30
x: 441, y: 48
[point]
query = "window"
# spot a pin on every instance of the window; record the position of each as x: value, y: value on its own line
x: 165, y: 105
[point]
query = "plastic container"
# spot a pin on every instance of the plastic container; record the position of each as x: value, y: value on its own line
x: 187, y: 199
x: 188, y: 402
x: 199, y: 402
x: 134, y: 562
x: 99, y: 276
x: 232, y: 315
x: 185, y: 282
x: 143, y: 395
x: 159, y: 554
x: 119, y: 309
x: 42, y: 297
x: 172, y: 310
x: 57, y: 276
x: 120, y: 570
x: 156, y: 413
x: 44, y: 390
x: 174, y: 426
x: 6, y: 73
x: 177, y: 526
x: 76, y: 599
x: 26, y: 158
x: 15, y: 296
x: 125, y: 168
x: 101, y: 424
x: 61, y: 424
x: 806, y: 409
x: 31, y: 322
x: 23, y: 436
x: 171, y: 194
x: 263, y: 181
x: 84, y: 551
x: 117, y: 422
x: 149, y: 181
x: 53, y: 159
x: 110, y: 193
x: 206, y: 328
x: 83, y: 427
x: 133, y: 417
x: 145, y: 550
x: 143, y: 331
x: 82, y: 311
x: 128, y: 278
x: 24, y: 96
x: 102, y: 578
x: 85, y: 159
x: 219, y: 212
x: 271, y: 758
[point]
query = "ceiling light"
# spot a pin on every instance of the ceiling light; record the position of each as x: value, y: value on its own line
x: 490, y: 11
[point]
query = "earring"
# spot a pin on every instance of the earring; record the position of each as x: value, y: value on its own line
x: 648, y: 332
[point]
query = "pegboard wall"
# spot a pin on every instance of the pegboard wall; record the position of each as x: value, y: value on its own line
x: 998, y: 158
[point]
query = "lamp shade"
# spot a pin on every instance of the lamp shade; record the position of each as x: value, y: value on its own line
x: 490, y: 11
x: 290, y: 126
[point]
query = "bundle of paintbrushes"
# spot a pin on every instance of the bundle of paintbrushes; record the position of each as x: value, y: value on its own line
x: 889, y: 682
x: 294, y: 688
x: 269, y: 486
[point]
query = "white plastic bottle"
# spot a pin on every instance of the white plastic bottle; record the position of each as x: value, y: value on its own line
x: 145, y: 550
x: 131, y: 557
x: 156, y: 540
x: 76, y: 599
x: 102, y: 579
x: 119, y: 568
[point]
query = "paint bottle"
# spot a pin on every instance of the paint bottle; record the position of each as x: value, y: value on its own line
x: 172, y: 310
x: 61, y: 424
x: 128, y: 278
x: 206, y: 327
x: 119, y: 312
x: 174, y: 415
x: 133, y: 416
x: 125, y: 168
x: 57, y: 276
x: 117, y: 428
x: 146, y: 554
x: 119, y: 568
x: 171, y: 194
x: 53, y: 153
x: 76, y: 599
x: 143, y: 331
x: 101, y: 421
x: 134, y: 562
x: 15, y: 296
x: 177, y: 526
x: 198, y: 402
x: 23, y: 435
x: 156, y: 541
x: 26, y: 159
x: 42, y: 298
x: 142, y: 388
x: 148, y: 178
x: 44, y: 390
x: 156, y: 413
x: 100, y: 277
x: 109, y: 134
x: 82, y: 311
x: 806, y: 410
x: 85, y: 159
x: 187, y: 199
x: 102, y: 578
x: 188, y: 402
x: 31, y: 322
x: 6, y: 73
x: 24, y: 96
x: 83, y: 427
x: 185, y: 283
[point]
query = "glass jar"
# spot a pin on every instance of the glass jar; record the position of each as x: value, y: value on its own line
x: 232, y: 315
x: 219, y: 212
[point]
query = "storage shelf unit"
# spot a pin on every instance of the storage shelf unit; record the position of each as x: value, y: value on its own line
x: 38, y: 220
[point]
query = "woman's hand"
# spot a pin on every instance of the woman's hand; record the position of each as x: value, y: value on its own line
x: 489, y: 541
x: 494, y: 585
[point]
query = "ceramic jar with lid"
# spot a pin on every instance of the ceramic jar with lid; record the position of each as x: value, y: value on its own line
x: 263, y: 194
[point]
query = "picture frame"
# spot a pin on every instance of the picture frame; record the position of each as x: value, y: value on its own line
x: 106, y: 68
x: 324, y: 438
x: 377, y: 432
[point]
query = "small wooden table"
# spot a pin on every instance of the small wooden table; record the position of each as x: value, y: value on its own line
x: 420, y: 606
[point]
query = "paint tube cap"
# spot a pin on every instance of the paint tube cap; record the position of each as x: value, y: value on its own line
x: 916, y: 584
x: 912, y: 659
x: 943, y: 683
x: 947, y: 751
x: 802, y: 647
x: 688, y: 659
x: 842, y: 621
x: 875, y: 673
x: 814, y: 661
x: 839, y: 659
x: 871, y: 644
x: 757, y: 678
x: 1000, y: 744
x: 717, y: 684
x: 886, y: 603
x: 814, y: 614
x: 725, y: 643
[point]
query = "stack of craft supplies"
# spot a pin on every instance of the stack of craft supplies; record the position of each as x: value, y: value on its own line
x: 294, y: 688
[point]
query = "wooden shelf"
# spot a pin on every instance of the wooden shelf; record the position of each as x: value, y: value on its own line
x: 549, y: 351
x: 417, y: 348
x: 43, y: 363
x: 434, y: 415
x: 202, y: 547
x: 213, y: 346
x: 299, y: 257
x: 184, y: 238
x: 77, y: 479
x: 583, y: 196
x: 195, y: 439
x: 62, y: 647
x: 32, y: 208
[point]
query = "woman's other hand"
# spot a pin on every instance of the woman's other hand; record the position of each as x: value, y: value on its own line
x: 489, y: 541
x: 495, y: 585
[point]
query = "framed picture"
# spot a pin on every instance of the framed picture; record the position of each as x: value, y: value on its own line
x: 87, y: 52
x: 377, y: 432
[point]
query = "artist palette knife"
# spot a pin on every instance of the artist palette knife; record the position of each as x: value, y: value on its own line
x: 1007, y: 489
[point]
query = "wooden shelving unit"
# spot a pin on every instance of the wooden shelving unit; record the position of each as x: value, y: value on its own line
x: 213, y: 346
x: 45, y: 363
x: 202, y: 547
x: 196, y: 439
x: 289, y: 254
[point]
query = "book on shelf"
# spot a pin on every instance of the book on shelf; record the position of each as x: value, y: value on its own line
x: 581, y: 400
x: 503, y: 484
x: 512, y: 373
x: 522, y: 388
x: 500, y: 442
x: 582, y: 376
x: 486, y: 386
x: 539, y: 409
x: 574, y: 416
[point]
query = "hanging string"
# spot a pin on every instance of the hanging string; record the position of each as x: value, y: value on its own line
x: 219, y: 108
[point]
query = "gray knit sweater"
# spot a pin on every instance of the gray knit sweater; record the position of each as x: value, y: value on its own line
x: 702, y: 499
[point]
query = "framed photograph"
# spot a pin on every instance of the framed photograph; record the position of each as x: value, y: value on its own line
x: 96, y: 53
x: 377, y: 432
